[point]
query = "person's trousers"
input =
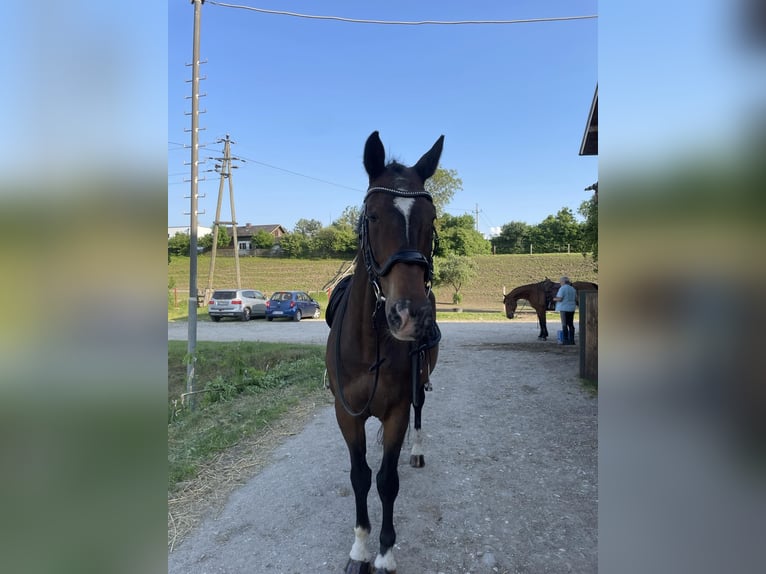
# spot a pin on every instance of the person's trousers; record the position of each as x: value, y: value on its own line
x: 567, y: 326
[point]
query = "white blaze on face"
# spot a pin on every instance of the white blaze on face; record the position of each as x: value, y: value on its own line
x: 404, y: 204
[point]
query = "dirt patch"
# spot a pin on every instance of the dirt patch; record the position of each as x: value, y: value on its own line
x: 207, y: 493
x: 510, y: 483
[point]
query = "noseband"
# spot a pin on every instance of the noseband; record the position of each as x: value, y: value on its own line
x: 411, y: 256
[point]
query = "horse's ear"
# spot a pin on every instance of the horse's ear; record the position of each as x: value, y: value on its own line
x: 374, y: 156
x: 427, y: 164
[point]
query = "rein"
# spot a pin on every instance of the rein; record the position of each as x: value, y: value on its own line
x: 375, y: 366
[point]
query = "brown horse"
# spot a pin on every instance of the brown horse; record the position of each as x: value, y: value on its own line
x: 540, y: 297
x: 383, y: 341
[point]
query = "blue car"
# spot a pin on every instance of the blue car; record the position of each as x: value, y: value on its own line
x: 293, y: 305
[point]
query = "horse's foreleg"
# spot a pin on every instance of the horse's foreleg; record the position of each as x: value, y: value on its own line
x: 417, y: 460
x: 361, y: 479
x: 394, y: 430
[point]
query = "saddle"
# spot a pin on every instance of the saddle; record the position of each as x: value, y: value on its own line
x: 550, y: 304
x: 550, y: 293
x: 335, y: 298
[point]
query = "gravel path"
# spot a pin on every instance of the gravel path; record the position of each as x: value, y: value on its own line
x: 509, y: 486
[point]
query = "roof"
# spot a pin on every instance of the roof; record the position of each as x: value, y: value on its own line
x: 251, y: 230
x: 589, y: 145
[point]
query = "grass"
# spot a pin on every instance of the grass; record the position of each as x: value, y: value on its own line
x: 248, y: 387
x: 484, y: 292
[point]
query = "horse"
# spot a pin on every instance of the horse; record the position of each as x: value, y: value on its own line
x: 540, y: 296
x: 383, y: 340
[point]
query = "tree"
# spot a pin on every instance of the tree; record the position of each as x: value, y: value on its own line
x: 179, y: 244
x: 457, y: 235
x: 294, y: 245
x: 350, y: 217
x: 308, y: 227
x: 335, y: 241
x: 263, y: 240
x: 455, y: 271
x: 514, y: 238
x: 442, y: 186
x: 557, y: 233
x: 224, y: 239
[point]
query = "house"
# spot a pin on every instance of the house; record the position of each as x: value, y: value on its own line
x: 245, y: 234
x: 175, y: 230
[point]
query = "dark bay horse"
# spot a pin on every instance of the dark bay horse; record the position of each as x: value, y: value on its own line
x: 540, y: 297
x: 383, y: 341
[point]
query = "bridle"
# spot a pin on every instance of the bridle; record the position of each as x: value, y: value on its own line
x: 412, y: 256
x: 375, y: 272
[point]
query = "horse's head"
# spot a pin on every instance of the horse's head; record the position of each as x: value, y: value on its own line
x: 397, y: 238
x: 510, y: 305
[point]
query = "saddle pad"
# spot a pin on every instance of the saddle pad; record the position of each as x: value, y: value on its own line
x: 335, y: 298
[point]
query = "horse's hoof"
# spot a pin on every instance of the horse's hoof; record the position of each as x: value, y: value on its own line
x: 417, y: 461
x: 357, y: 567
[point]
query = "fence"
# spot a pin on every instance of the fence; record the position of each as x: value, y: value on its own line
x: 184, y: 294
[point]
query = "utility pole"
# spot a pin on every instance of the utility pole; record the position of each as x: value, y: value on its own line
x: 224, y: 168
x: 477, y: 217
x: 192, y: 333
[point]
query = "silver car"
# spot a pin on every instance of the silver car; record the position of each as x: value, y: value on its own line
x: 241, y: 304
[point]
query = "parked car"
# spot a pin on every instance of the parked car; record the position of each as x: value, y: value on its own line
x: 294, y: 305
x: 241, y: 304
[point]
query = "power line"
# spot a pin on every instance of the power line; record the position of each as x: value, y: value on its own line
x: 300, y: 174
x: 401, y: 23
x: 250, y: 160
x: 489, y: 221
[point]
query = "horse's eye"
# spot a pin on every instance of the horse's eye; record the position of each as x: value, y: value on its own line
x: 372, y: 217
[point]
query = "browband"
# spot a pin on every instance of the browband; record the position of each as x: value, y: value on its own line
x: 400, y: 192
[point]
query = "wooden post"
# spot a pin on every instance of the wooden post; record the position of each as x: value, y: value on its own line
x: 589, y: 335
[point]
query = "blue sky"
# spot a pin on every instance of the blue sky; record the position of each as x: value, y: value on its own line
x: 303, y: 95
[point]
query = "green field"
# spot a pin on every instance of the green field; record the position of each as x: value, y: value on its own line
x: 485, y: 292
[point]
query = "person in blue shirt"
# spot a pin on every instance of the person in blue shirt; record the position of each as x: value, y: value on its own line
x: 565, y: 304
